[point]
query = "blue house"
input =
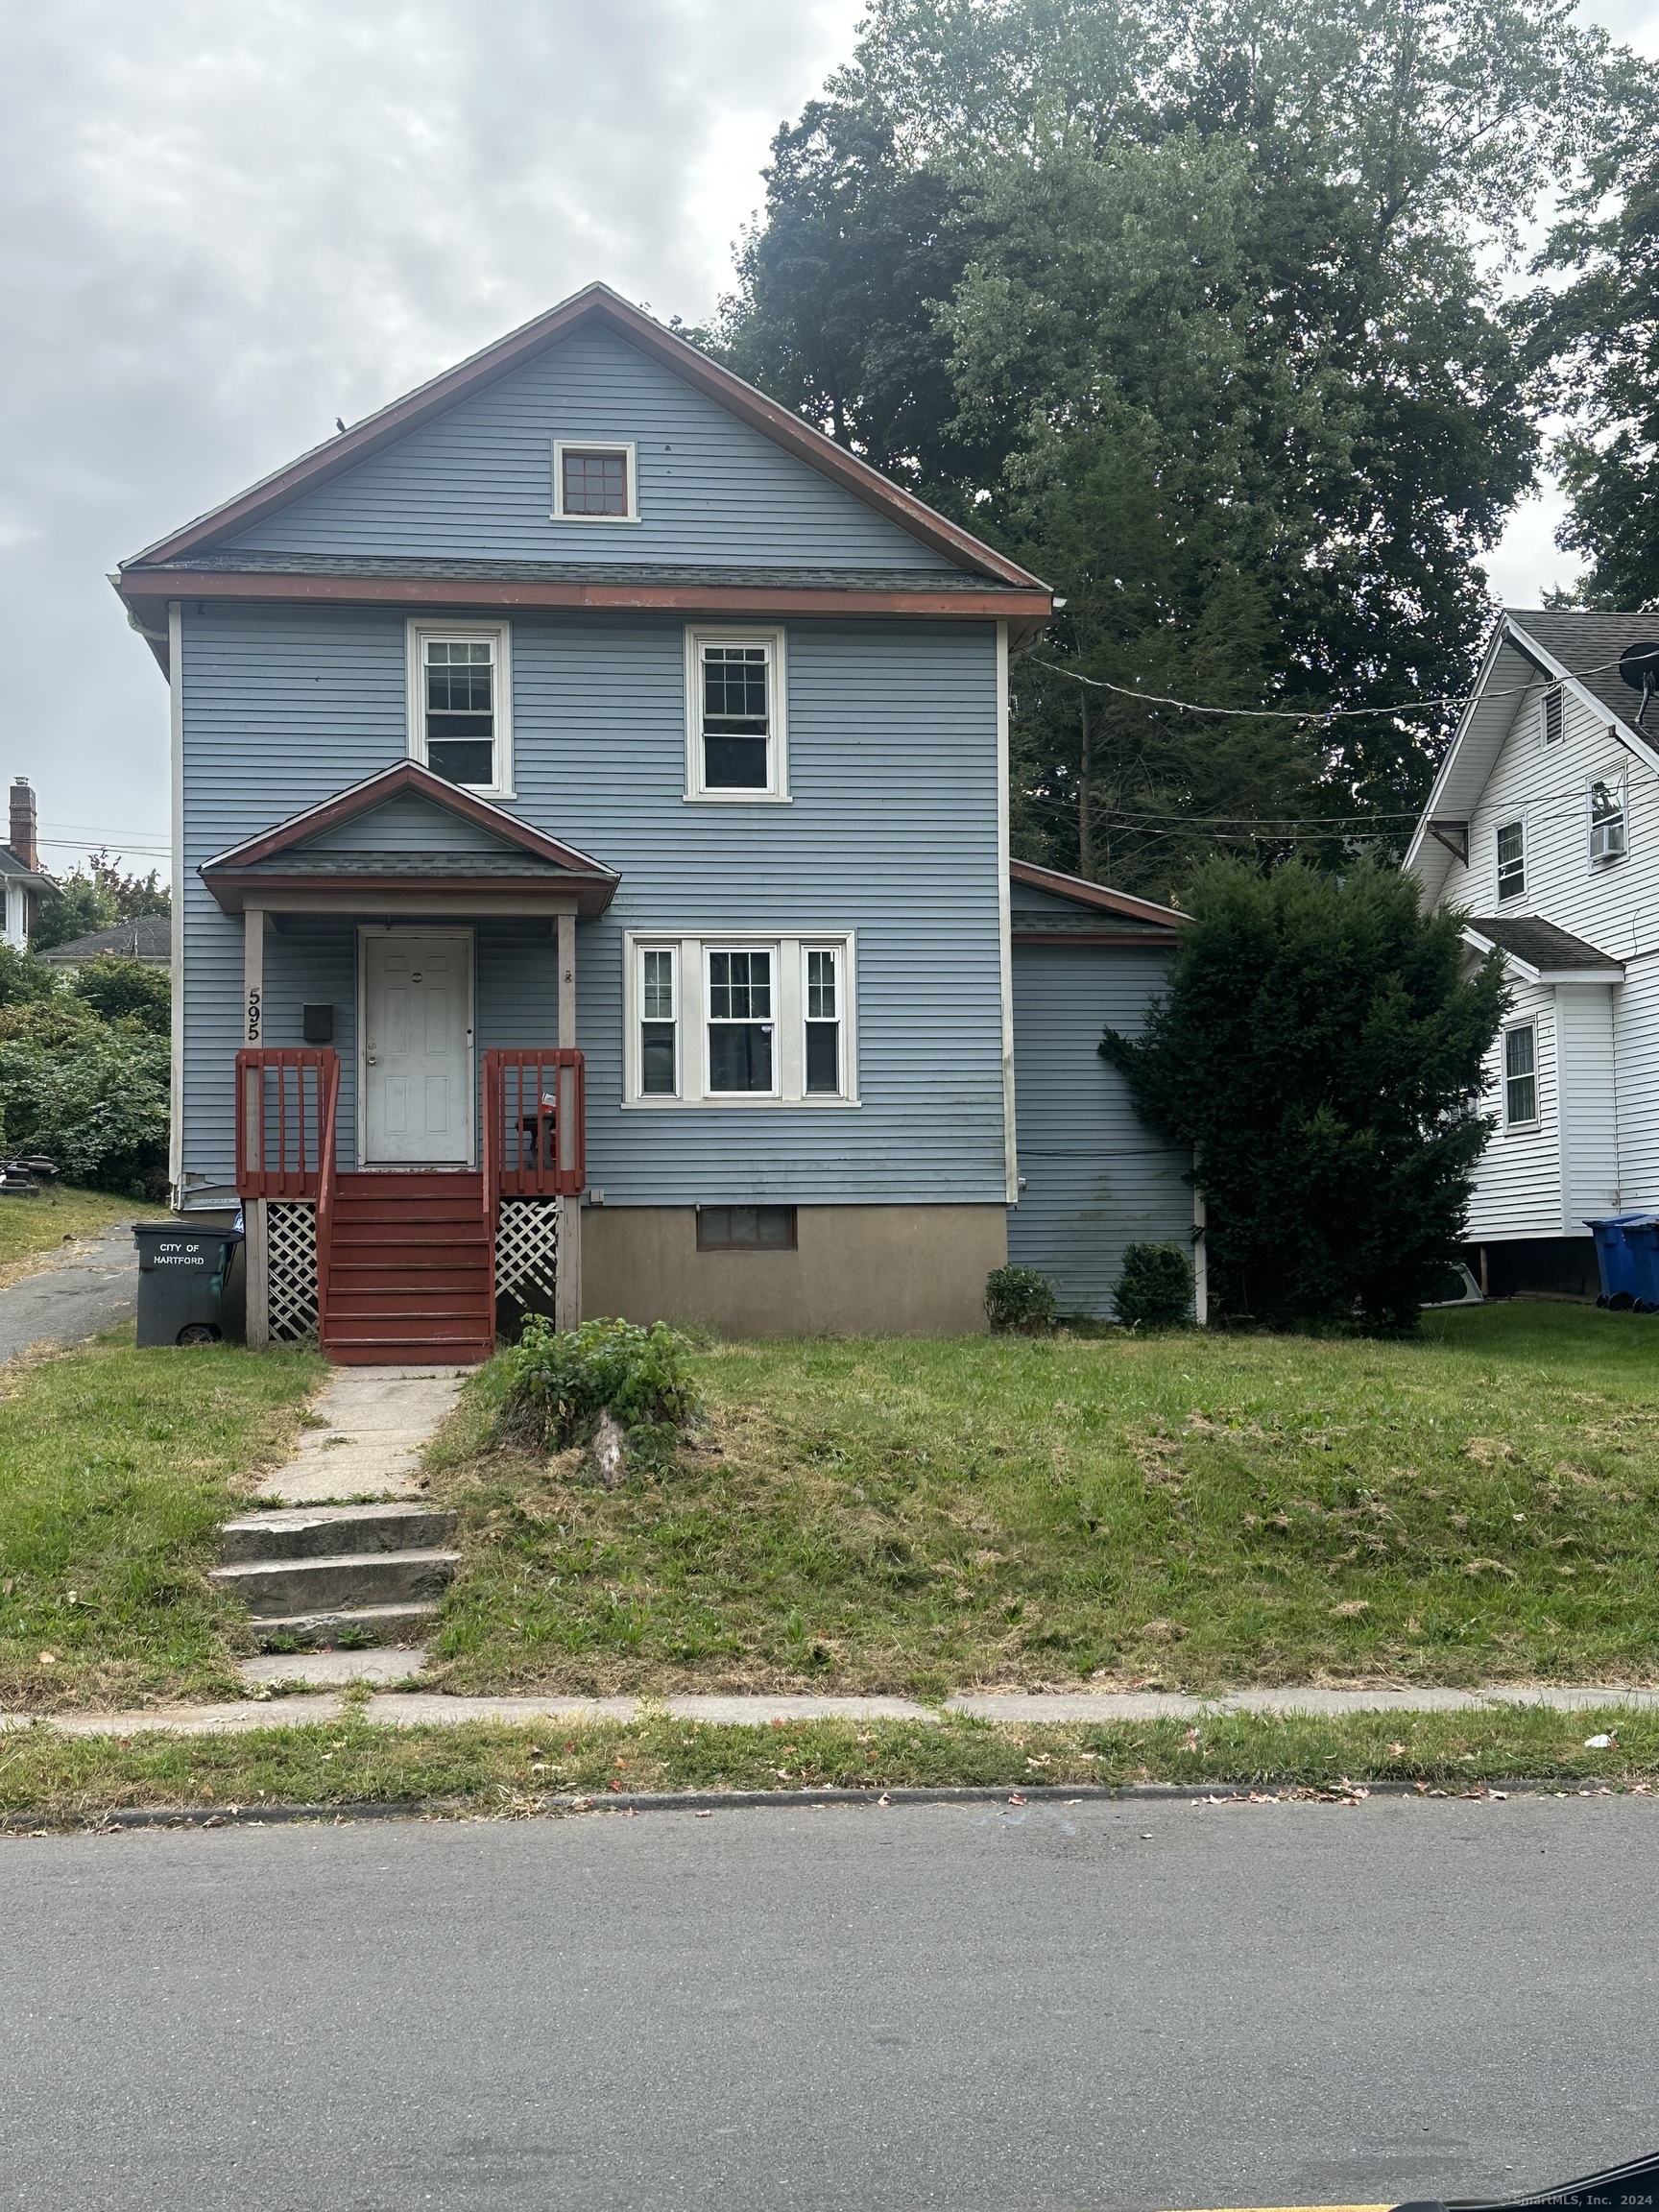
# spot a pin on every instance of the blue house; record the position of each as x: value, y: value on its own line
x: 590, y: 832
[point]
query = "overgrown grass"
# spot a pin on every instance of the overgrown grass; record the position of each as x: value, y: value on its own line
x: 116, y: 1467
x: 31, y: 1230
x: 1482, y: 1505
x: 49, y: 1779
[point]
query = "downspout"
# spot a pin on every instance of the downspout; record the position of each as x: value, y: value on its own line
x: 1004, y: 923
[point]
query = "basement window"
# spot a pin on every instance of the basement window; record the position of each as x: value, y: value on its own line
x: 746, y: 1229
x: 1521, y: 1076
x: 1511, y: 862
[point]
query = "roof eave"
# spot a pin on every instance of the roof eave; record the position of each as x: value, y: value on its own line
x: 1083, y: 892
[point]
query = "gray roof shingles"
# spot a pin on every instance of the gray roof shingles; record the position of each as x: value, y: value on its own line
x: 1540, y: 943
x: 1588, y: 645
x: 246, y: 562
x: 150, y: 937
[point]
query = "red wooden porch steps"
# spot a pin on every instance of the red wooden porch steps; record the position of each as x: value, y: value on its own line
x: 409, y: 1273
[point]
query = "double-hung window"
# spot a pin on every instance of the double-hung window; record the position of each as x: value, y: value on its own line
x: 1511, y: 861
x: 460, y: 703
x: 742, y: 1031
x: 1608, y: 833
x: 734, y: 703
x: 1520, y: 1075
x: 742, y: 1020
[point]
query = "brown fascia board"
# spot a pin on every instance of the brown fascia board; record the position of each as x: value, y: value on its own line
x: 147, y: 592
x: 595, y: 302
x: 1083, y: 892
x: 374, y: 791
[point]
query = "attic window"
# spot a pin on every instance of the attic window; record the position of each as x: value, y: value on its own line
x: 593, y: 483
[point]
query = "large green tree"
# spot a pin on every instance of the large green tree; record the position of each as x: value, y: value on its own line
x: 1596, y: 341
x: 1194, y: 309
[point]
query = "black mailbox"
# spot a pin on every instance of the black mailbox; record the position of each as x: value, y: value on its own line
x: 318, y: 1025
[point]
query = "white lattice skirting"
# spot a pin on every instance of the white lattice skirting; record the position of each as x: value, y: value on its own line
x: 291, y: 1242
x: 527, y: 1248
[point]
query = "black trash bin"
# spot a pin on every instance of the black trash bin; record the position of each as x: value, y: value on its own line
x: 183, y: 1271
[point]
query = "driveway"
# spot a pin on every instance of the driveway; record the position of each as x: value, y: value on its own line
x: 1123, y: 2005
x: 91, y: 1288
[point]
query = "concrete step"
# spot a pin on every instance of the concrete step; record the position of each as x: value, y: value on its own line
x: 275, y: 1588
x: 349, y: 1627
x: 333, y: 1531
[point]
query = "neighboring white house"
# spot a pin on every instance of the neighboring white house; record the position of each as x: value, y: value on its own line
x: 22, y: 878
x: 1544, y: 827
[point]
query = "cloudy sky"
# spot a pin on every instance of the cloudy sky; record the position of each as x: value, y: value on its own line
x: 221, y: 227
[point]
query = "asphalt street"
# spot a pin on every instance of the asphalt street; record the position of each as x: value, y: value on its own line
x: 1111, y: 2005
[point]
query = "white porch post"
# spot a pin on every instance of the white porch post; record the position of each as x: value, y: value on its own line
x: 567, y: 1300
x: 256, y: 1251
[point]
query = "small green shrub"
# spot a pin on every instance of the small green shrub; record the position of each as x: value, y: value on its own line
x: 1019, y: 1298
x: 558, y: 1383
x: 1154, y: 1288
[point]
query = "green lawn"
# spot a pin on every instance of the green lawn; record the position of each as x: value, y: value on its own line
x: 48, y: 1779
x: 33, y: 1229
x: 116, y: 1467
x: 1477, y: 1505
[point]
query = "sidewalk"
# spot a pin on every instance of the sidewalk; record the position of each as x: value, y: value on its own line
x: 426, y: 1709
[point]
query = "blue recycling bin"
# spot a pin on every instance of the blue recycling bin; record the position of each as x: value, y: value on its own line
x: 1627, y: 1255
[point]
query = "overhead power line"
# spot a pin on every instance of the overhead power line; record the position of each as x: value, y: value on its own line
x: 1303, y: 713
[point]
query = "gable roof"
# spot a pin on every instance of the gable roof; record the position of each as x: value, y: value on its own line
x: 594, y: 303
x: 1105, y: 917
x: 1530, y: 647
x: 1540, y: 952
x: 277, y: 861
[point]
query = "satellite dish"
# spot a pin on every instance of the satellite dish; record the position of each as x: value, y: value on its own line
x: 1638, y: 665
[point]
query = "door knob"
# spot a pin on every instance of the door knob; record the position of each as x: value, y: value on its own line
x: 374, y: 1059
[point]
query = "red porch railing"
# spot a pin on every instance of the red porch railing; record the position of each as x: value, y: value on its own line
x: 285, y: 1100
x: 535, y: 1114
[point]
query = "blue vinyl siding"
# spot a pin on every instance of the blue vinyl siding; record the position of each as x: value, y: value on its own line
x: 409, y: 823
x: 890, y: 834
x: 478, y: 483
x: 1095, y: 1177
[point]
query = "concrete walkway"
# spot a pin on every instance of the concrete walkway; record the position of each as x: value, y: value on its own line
x: 365, y: 1436
x: 89, y: 1286
x: 427, y: 1709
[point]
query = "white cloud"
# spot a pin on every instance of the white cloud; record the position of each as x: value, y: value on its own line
x: 221, y: 227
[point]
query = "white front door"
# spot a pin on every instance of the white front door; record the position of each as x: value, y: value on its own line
x: 416, y: 1048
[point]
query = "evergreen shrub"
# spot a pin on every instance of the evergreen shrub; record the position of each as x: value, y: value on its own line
x: 1154, y: 1290
x: 1020, y: 1299
x: 1320, y: 1051
x: 558, y: 1383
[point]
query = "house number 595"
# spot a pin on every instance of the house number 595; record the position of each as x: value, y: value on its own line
x: 254, y: 997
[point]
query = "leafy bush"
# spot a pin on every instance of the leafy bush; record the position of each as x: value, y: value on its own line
x: 23, y: 978
x: 1155, y: 1288
x: 127, y: 990
x: 91, y: 1095
x: 559, y: 1382
x: 1019, y: 1298
x: 1320, y: 1050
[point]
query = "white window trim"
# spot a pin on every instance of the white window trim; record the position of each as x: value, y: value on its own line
x: 1521, y: 1128
x: 788, y: 952
x: 1618, y: 782
x: 500, y: 633
x: 630, y: 474
x: 777, y: 791
x: 1510, y: 821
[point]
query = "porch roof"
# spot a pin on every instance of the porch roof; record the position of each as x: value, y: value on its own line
x: 513, y: 869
